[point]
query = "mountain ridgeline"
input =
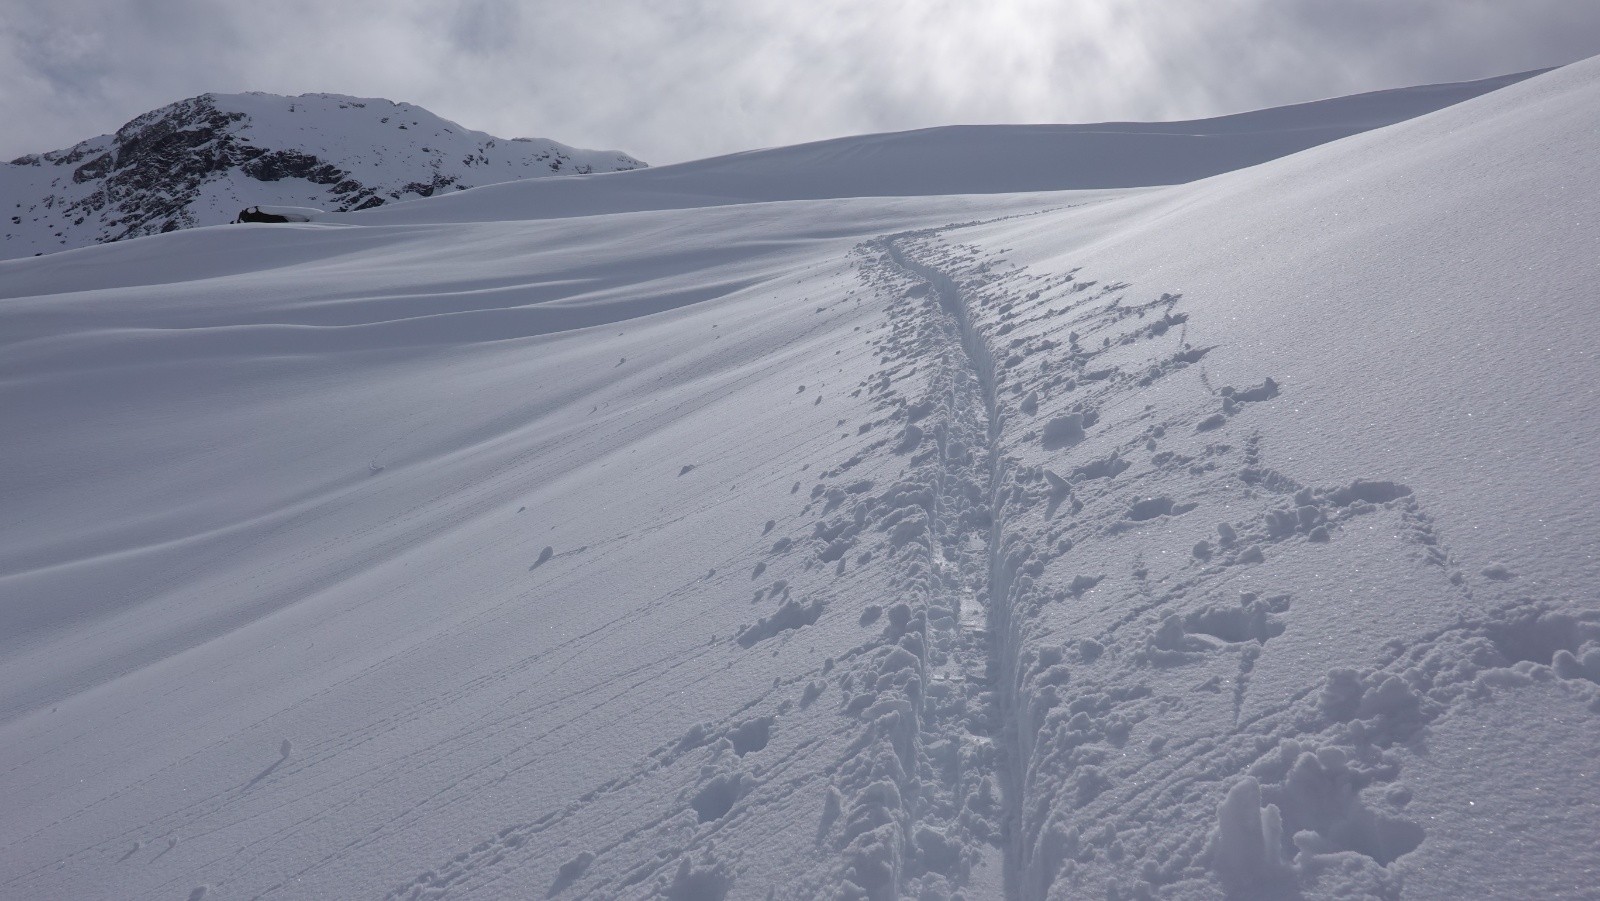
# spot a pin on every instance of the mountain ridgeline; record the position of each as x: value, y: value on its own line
x: 198, y: 161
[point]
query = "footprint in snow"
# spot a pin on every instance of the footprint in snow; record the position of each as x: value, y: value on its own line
x: 571, y: 871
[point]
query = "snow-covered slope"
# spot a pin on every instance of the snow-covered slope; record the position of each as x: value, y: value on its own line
x: 983, y: 159
x: 1232, y: 539
x: 201, y: 160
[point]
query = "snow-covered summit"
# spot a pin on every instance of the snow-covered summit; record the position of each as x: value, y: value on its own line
x: 198, y: 161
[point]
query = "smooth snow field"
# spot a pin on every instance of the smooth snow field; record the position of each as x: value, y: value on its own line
x: 1233, y: 539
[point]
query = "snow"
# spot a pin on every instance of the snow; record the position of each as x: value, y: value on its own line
x: 720, y: 538
x: 986, y: 159
x: 199, y: 161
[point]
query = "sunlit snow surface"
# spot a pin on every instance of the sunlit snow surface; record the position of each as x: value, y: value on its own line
x: 1234, y: 539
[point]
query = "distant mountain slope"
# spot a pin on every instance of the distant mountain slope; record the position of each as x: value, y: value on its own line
x: 199, y: 161
x: 963, y: 159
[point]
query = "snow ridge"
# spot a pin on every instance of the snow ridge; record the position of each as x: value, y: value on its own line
x: 956, y: 159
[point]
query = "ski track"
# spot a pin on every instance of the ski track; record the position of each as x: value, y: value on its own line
x: 1013, y: 728
x: 1083, y: 810
x: 906, y: 795
x: 1049, y: 612
x: 1023, y: 720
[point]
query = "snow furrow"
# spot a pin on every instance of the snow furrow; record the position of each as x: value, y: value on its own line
x: 969, y: 628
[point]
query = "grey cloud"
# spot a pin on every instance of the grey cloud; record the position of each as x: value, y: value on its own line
x: 485, y: 27
x: 697, y: 77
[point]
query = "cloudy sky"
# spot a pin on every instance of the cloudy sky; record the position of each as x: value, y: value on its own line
x: 678, y: 79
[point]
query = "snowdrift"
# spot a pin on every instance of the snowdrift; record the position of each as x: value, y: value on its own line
x: 1227, y: 540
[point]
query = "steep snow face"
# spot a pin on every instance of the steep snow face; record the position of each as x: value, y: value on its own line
x: 1230, y: 540
x: 199, y: 161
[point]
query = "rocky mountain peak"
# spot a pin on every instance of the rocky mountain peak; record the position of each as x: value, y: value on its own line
x: 198, y: 161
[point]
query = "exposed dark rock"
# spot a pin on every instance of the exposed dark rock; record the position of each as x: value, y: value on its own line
x: 151, y: 176
x: 254, y: 214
